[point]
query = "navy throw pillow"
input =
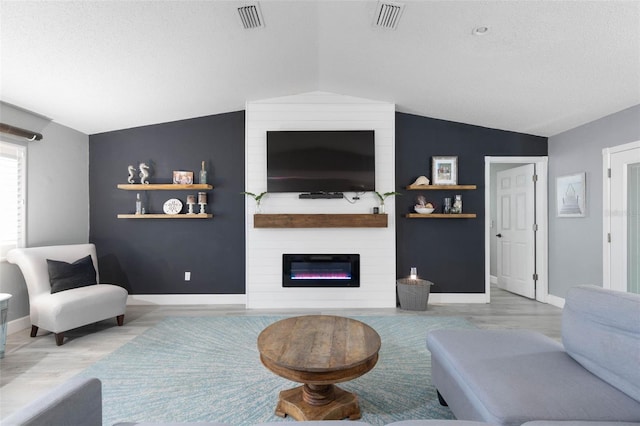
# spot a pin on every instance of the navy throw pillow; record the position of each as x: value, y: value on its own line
x: 65, y: 276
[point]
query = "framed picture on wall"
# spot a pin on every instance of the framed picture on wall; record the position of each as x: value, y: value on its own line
x: 444, y: 170
x: 570, y: 195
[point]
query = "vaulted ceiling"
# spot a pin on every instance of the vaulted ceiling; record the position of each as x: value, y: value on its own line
x: 542, y: 67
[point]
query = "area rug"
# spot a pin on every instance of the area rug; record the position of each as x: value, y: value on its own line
x: 208, y: 369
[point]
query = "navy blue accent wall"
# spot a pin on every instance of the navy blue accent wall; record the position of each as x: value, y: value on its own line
x: 150, y: 256
x: 449, y: 252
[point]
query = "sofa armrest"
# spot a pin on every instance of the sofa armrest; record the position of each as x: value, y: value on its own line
x: 601, y: 331
x: 75, y: 402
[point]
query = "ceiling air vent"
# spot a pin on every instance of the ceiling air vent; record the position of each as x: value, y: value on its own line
x: 388, y: 14
x: 250, y: 16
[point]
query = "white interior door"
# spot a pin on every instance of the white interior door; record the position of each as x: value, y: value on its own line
x: 515, y: 230
x: 624, y: 217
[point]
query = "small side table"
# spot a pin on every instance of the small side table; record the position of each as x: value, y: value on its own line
x: 4, y: 308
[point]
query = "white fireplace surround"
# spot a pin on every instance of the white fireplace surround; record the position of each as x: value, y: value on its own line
x: 264, y: 247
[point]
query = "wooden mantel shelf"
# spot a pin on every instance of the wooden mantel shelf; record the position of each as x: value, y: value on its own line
x: 320, y: 220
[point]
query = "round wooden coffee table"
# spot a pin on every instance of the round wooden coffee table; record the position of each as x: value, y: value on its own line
x: 319, y: 351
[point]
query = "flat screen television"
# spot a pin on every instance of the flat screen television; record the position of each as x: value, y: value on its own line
x: 321, y: 161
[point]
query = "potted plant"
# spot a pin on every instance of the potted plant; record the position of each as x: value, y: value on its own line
x: 257, y: 197
x: 383, y: 197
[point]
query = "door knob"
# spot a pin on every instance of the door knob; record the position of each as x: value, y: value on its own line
x: 499, y: 235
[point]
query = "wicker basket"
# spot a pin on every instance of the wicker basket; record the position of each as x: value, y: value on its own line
x: 413, y: 294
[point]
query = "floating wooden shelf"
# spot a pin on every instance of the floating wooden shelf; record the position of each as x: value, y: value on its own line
x: 320, y: 220
x: 166, y: 216
x: 161, y: 186
x: 441, y: 216
x: 439, y: 187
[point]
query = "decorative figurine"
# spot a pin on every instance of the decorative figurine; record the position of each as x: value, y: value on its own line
x: 457, y: 205
x: 422, y: 180
x: 144, y: 173
x: 132, y: 173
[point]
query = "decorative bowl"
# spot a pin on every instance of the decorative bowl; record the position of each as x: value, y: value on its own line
x: 424, y: 210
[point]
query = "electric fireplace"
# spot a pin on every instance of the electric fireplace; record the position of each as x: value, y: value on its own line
x: 321, y: 270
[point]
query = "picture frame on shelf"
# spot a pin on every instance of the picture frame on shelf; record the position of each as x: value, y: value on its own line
x: 570, y: 195
x: 444, y: 170
x: 182, y: 177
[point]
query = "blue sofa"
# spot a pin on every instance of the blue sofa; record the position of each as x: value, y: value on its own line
x: 510, y: 377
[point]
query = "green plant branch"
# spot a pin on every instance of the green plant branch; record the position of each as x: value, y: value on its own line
x: 254, y: 196
x: 385, y: 195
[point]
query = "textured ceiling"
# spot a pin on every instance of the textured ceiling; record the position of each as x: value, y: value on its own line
x: 544, y: 66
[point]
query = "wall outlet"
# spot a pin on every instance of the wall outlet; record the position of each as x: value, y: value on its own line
x: 187, y: 276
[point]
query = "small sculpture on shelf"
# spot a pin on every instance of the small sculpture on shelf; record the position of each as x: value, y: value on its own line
x: 132, y: 174
x: 144, y: 173
x: 457, y: 205
x: 421, y: 181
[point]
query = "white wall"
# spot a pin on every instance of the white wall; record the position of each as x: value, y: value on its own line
x: 264, y: 247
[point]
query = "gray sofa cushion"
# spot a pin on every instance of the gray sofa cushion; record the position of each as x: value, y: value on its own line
x: 601, y: 330
x: 75, y: 402
x: 437, y: 423
x: 508, y: 377
x: 577, y: 423
x: 171, y: 424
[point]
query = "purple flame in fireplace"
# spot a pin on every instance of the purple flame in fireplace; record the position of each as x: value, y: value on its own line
x: 321, y: 270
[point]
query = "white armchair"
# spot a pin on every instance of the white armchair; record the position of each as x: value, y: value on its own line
x: 68, y: 309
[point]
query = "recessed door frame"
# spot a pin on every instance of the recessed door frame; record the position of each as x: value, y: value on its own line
x: 541, y: 215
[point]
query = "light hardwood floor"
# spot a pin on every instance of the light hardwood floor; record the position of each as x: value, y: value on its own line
x: 33, y: 365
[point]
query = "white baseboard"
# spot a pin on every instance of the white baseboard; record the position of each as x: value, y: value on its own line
x: 18, y: 325
x: 555, y: 301
x: 493, y: 280
x: 187, y: 299
x: 241, y: 299
x: 457, y: 298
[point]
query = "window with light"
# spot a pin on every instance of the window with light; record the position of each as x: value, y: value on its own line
x: 13, y: 172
